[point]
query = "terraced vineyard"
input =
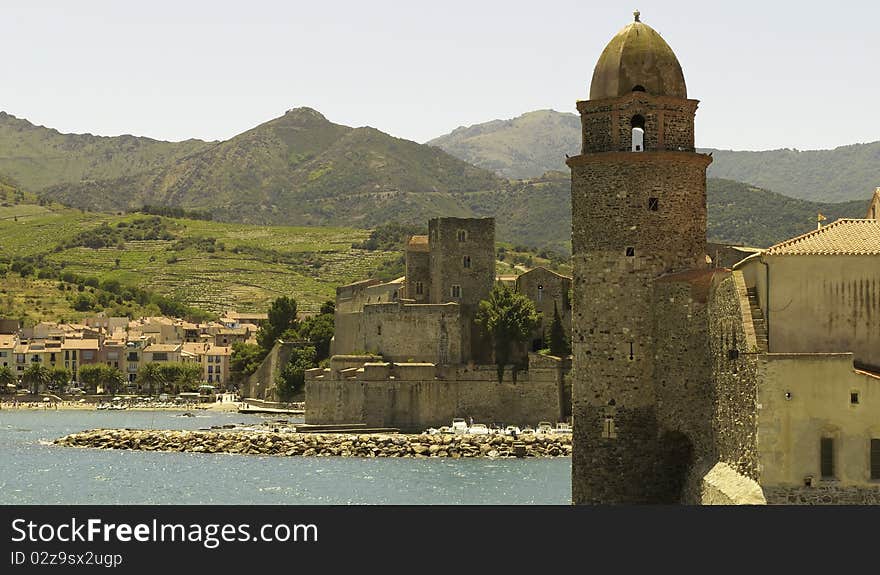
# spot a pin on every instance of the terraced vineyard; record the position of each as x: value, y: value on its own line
x: 209, y: 265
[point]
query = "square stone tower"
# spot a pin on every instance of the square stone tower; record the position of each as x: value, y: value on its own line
x: 638, y: 200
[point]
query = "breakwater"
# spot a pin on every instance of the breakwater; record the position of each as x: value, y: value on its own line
x: 323, y: 444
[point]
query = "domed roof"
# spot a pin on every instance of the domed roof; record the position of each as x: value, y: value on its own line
x: 637, y: 57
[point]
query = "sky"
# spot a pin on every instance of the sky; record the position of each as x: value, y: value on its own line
x: 768, y: 75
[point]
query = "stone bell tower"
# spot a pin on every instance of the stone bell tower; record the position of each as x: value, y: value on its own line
x: 638, y: 202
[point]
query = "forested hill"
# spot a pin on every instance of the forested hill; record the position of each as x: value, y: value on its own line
x: 845, y: 173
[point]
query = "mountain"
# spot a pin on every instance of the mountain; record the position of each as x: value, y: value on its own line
x: 524, y: 147
x: 528, y: 146
x: 297, y: 169
x: 845, y: 173
x: 37, y: 157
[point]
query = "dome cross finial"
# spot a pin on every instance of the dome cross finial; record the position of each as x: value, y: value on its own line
x: 636, y: 15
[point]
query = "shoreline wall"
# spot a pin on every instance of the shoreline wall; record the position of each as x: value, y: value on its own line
x: 414, y: 397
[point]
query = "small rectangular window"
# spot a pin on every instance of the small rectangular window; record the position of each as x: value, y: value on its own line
x: 826, y: 458
x: 419, y: 288
x: 875, y: 459
x: 653, y: 204
x: 608, y: 429
x: 854, y: 397
x: 462, y: 235
x: 456, y: 291
x: 466, y: 261
x: 630, y: 252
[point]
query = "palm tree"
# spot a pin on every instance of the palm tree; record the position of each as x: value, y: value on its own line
x: 36, y: 377
x: 151, y: 376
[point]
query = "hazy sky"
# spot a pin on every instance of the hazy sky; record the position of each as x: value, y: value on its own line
x: 768, y: 74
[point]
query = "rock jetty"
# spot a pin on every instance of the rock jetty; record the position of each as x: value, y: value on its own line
x: 323, y: 444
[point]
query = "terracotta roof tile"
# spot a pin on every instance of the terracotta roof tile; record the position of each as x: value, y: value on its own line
x: 417, y: 244
x: 843, y: 237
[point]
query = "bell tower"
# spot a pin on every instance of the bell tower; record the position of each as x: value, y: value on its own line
x: 638, y: 201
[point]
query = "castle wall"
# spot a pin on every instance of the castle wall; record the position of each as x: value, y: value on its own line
x: 546, y: 288
x: 825, y: 304
x: 734, y: 375
x: 261, y: 383
x: 412, y: 332
x: 418, y: 275
x: 447, y: 259
x: 415, y: 405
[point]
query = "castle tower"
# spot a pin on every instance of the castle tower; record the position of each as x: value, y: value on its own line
x: 638, y: 200
x: 462, y: 267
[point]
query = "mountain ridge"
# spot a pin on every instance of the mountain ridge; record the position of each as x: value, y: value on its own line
x: 507, y: 147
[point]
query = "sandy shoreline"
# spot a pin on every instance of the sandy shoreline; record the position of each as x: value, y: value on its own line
x: 75, y: 406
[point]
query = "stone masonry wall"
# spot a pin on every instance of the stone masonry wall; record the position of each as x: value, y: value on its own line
x: 261, y: 383
x: 682, y: 374
x: 418, y: 274
x: 607, y: 124
x: 413, y: 332
x: 734, y: 362
x: 823, y: 495
x: 447, y: 259
x: 546, y: 288
x: 413, y: 406
x: 610, y: 207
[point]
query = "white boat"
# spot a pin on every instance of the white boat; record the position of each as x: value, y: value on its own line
x: 478, y: 429
x: 543, y: 427
x: 459, y: 426
x: 562, y: 428
x: 512, y: 430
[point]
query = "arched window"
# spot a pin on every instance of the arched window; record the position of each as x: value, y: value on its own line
x: 638, y: 133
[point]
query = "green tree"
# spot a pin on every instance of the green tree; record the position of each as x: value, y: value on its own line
x: 508, y: 318
x: 245, y: 359
x: 282, y: 319
x: 7, y: 378
x: 319, y: 330
x: 36, y: 377
x: 558, y: 341
x: 150, y: 377
x: 58, y: 378
x: 184, y: 376
x: 98, y: 375
x: 292, y: 378
x: 328, y: 306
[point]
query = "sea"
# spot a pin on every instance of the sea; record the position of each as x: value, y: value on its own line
x: 33, y: 471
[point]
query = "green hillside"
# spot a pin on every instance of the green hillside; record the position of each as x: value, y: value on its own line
x: 744, y: 214
x: 845, y: 173
x: 208, y: 265
x: 299, y: 169
x: 522, y: 147
x: 38, y: 157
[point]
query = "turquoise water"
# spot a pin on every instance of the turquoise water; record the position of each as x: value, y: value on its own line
x: 32, y: 471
